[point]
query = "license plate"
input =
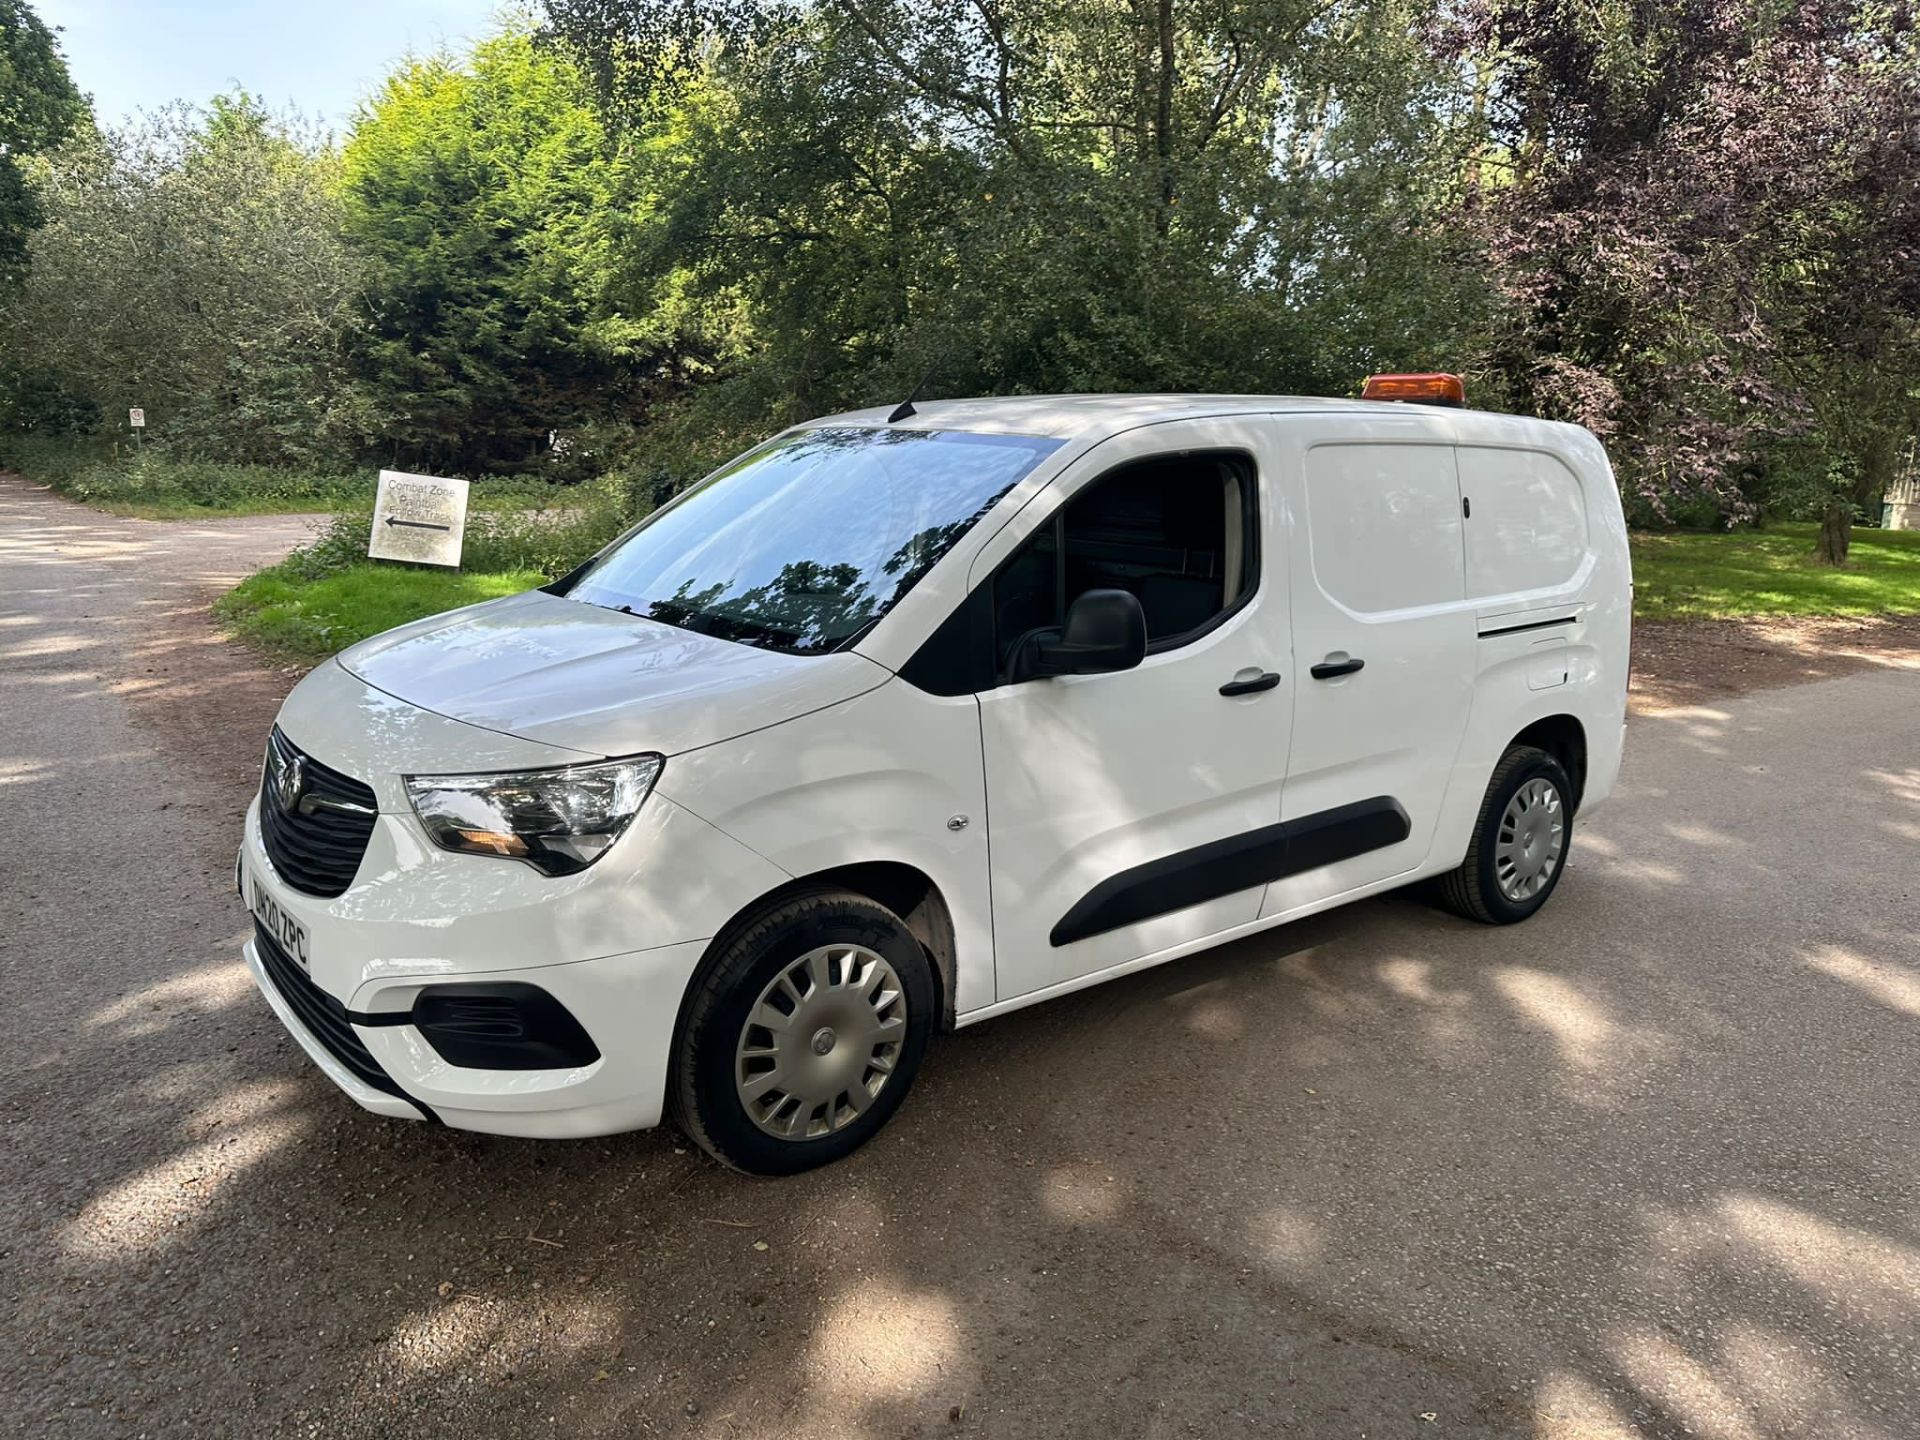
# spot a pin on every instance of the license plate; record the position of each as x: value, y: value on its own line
x: 287, y: 932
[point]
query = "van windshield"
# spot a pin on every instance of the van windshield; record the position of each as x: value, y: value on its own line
x: 804, y: 544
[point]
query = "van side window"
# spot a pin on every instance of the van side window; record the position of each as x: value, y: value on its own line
x: 1384, y: 524
x: 1177, y: 531
x: 1529, y: 525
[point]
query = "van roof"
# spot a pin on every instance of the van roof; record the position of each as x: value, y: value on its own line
x: 1068, y: 417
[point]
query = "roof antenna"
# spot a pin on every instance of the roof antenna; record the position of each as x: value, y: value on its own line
x: 905, y: 407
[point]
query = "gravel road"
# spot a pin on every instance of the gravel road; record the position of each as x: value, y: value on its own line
x: 1647, y: 1165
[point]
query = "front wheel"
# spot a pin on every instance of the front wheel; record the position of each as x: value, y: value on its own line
x: 803, y: 1037
x: 1520, y: 841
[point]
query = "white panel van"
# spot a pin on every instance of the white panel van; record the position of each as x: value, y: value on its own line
x: 903, y: 720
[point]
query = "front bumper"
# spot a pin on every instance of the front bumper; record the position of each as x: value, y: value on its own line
x: 627, y: 1004
x: 376, y: 948
x: 615, y: 945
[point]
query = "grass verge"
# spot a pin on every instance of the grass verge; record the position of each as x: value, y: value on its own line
x: 152, y: 484
x: 308, y: 618
x: 520, y: 534
x: 1772, y: 572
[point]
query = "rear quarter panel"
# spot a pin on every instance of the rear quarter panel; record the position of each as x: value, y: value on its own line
x: 1514, y: 683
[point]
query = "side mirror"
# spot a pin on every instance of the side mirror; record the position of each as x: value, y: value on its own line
x: 1106, y: 630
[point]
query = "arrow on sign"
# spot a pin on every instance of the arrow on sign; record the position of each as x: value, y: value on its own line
x: 417, y: 524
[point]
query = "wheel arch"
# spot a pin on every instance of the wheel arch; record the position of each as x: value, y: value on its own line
x: 1565, y: 738
x: 906, y: 890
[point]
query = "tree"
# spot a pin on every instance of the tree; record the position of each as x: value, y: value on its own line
x: 193, y: 265
x: 1218, y: 194
x: 1701, y: 215
x: 1846, y: 287
x: 39, y: 108
x: 481, y: 197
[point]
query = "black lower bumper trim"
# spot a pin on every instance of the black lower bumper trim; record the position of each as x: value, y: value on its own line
x: 326, y: 1019
x: 503, y: 1025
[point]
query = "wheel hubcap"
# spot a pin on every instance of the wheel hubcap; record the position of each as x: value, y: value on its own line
x: 820, y: 1043
x: 1532, y: 836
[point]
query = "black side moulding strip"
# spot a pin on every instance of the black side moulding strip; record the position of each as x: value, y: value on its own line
x: 1240, y: 862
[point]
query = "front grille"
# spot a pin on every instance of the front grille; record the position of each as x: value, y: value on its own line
x: 324, y: 1017
x: 316, y: 846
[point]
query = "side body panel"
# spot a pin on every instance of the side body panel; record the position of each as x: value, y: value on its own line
x: 1546, y: 603
x: 1517, y: 678
x: 880, y: 777
x: 1532, y: 666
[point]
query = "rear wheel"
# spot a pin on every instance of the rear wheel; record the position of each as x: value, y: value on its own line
x: 1520, y: 841
x: 802, y: 1039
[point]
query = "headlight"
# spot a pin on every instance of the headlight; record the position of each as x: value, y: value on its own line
x: 558, y: 821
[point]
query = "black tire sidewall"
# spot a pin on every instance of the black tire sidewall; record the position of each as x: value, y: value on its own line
x: 1541, y: 767
x: 747, y: 969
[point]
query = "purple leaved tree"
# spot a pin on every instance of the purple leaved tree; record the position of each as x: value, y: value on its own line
x: 1703, y: 214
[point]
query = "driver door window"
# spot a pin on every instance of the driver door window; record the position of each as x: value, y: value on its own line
x: 1177, y: 531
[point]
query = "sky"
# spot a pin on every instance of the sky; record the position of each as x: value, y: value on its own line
x: 322, y: 58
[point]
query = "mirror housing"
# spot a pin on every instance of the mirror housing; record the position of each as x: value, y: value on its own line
x: 1106, y: 630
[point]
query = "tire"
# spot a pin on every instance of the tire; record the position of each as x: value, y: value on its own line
x: 1475, y: 890
x: 767, y: 1098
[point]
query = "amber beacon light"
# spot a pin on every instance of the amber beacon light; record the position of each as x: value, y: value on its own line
x: 1430, y: 389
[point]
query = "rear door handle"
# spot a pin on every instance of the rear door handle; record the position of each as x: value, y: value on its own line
x: 1330, y: 668
x: 1253, y: 686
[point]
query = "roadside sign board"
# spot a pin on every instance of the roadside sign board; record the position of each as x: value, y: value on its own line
x: 421, y: 518
x: 137, y: 418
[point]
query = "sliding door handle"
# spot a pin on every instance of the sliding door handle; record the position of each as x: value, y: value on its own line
x: 1252, y: 686
x: 1336, y: 665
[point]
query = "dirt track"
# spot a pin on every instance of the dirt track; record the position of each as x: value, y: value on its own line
x: 1646, y: 1165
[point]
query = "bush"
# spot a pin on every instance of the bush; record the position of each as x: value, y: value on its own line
x: 143, y: 480
x: 35, y: 401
